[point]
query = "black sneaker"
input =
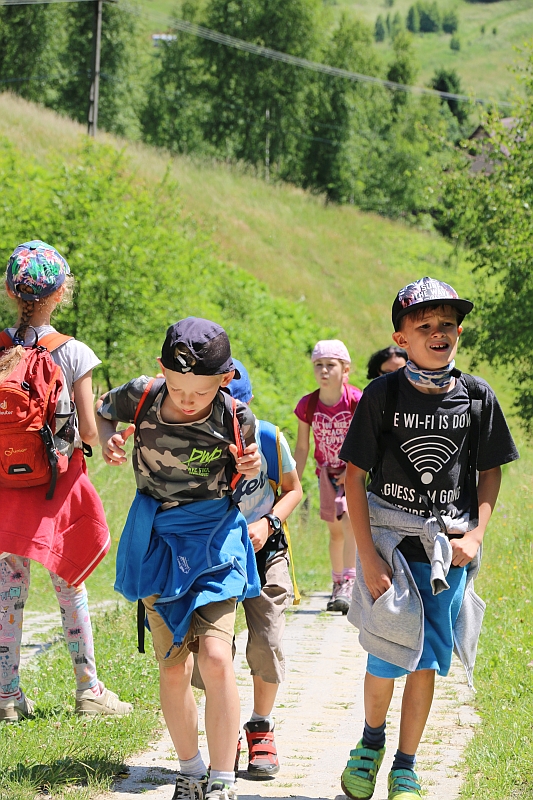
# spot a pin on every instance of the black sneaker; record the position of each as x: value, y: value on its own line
x: 189, y: 788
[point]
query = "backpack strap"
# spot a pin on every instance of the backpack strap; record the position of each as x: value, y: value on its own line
x: 476, y: 408
x: 311, y: 406
x: 141, y: 629
x: 354, y: 401
x: 5, y: 340
x: 271, y: 449
x: 153, y: 387
x: 230, y: 406
x: 53, y: 340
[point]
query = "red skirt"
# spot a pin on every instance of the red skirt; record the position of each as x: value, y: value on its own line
x: 67, y: 534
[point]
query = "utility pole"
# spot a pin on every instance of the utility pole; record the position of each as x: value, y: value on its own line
x: 94, y: 95
x: 267, y: 146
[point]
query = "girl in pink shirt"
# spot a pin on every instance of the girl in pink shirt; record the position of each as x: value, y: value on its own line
x: 328, y: 411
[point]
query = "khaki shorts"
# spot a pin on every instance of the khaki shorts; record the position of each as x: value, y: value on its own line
x: 265, y: 619
x: 214, y: 619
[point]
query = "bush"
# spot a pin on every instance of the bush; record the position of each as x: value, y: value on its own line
x: 430, y: 19
x: 139, y: 267
x: 379, y: 29
x: 450, y: 22
x: 413, y: 20
x: 455, y: 43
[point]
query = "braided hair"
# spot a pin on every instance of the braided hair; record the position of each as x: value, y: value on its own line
x: 27, y: 309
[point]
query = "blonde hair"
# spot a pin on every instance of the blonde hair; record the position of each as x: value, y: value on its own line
x: 9, y: 360
x: 27, y: 307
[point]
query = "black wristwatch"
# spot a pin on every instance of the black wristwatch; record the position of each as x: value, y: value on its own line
x: 274, y: 522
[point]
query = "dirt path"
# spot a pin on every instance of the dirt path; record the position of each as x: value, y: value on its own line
x: 319, y: 717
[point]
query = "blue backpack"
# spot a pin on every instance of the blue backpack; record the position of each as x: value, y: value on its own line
x: 271, y: 448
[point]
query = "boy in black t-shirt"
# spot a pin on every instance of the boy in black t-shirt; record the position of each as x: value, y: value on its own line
x: 417, y: 539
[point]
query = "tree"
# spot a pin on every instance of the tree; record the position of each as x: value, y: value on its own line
x: 403, y: 69
x: 396, y: 25
x: 29, y: 66
x: 491, y: 214
x: 413, y: 19
x: 450, y: 21
x: 252, y: 98
x: 123, y: 60
x: 455, y: 43
x: 379, y: 29
x: 429, y: 13
x: 449, y: 81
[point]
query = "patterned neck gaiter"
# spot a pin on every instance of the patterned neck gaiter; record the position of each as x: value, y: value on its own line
x: 431, y: 378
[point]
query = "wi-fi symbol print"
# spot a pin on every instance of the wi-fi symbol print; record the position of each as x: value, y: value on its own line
x: 429, y: 454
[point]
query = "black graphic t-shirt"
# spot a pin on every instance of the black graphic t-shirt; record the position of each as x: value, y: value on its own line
x: 433, y: 430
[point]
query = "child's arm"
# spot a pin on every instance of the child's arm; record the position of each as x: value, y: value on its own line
x: 302, y: 447
x: 83, y: 398
x: 464, y: 549
x: 111, y: 441
x: 291, y: 494
x: 376, y: 571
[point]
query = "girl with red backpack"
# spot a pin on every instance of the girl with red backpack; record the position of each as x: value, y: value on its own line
x: 328, y: 412
x: 51, y: 513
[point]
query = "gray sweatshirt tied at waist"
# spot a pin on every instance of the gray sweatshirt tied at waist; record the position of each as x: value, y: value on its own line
x: 392, y: 627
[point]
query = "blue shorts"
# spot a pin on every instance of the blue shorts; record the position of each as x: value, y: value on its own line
x: 440, y: 614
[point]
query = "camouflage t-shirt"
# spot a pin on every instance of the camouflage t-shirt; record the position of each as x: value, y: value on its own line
x: 178, y: 463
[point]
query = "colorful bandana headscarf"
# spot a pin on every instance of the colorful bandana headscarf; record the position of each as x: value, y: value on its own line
x: 430, y: 378
x: 35, y: 270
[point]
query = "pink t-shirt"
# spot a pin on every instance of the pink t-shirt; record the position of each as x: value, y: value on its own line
x: 330, y: 426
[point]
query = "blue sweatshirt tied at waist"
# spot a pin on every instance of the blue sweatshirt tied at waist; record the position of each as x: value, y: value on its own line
x: 190, y: 555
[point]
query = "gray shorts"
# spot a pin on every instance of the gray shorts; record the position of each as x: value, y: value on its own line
x: 265, y: 618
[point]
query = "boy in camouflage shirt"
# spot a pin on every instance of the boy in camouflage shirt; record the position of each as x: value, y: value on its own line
x: 185, y: 549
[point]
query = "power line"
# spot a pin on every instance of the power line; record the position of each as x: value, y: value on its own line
x: 276, y: 55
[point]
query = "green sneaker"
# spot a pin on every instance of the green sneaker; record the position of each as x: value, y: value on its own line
x: 358, y: 779
x: 403, y: 784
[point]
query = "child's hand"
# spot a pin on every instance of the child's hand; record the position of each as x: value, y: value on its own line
x: 249, y: 464
x: 340, y: 479
x: 377, y: 575
x: 113, y: 451
x: 259, y: 532
x: 464, y: 549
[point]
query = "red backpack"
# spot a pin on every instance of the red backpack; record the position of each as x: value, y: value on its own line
x: 28, y: 401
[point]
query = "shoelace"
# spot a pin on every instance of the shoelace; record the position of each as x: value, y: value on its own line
x: 189, y: 788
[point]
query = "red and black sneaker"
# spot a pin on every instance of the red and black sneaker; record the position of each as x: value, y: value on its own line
x: 262, y: 753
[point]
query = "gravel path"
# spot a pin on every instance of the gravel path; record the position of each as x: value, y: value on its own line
x: 319, y: 717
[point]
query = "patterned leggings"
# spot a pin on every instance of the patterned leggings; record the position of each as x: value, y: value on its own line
x: 14, y: 587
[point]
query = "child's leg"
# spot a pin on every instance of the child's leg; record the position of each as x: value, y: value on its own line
x: 92, y: 697
x: 78, y: 632
x: 349, y: 544
x: 416, y: 705
x: 14, y: 587
x: 222, y: 705
x: 378, y: 695
x: 179, y: 707
x: 336, y: 548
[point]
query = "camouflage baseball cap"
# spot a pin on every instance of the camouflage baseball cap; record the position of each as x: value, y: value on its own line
x: 427, y: 292
x: 199, y: 346
x: 35, y: 270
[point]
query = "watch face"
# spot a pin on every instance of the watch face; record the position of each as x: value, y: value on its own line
x: 275, y: 523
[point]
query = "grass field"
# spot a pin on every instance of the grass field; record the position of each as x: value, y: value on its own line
x: 345, y: 266
x: 484, y: 61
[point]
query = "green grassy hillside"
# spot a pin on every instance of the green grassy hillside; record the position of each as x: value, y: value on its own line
x: 484, y: 60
